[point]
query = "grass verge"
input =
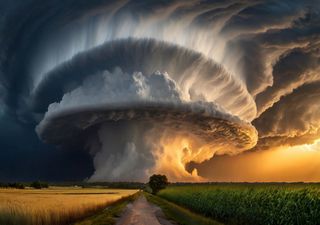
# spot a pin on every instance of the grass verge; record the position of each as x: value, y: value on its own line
x: 108, y: 215
x: 179, y: 214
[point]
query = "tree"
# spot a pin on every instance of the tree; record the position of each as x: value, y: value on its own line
x: 158, y: 182
x: 39, y: 185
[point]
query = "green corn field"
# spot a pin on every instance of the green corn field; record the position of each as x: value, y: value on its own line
x: 250, y: 204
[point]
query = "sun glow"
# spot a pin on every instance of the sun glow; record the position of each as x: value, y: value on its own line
x: 174, y: 155
x: 314, y: 147
x: 281, y: 164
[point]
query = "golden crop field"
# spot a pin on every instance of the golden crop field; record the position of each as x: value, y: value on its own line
x: 54, y: 205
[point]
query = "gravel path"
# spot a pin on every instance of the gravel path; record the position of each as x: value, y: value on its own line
x: 141, y: 212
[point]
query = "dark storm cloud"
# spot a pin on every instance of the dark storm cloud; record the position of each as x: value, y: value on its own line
x: 144, y: 107
x: 255, y: 60
x: 122, y: 133
x: 262, y: 41
x: 261, y: 16
x: 294, y: 69
x: 294, y: 119
x: 146, y: 56
x: 195, y: 119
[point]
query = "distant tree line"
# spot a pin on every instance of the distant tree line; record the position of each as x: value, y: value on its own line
x: 156, y: 183
x: 84, y: 184
x: 20, y: 185
x: 12, y: 185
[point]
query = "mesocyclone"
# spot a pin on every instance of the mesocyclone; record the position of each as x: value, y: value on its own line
x: 147, y: 81
x: 101, y: 88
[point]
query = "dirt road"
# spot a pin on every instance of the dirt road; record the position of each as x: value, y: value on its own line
x: 141, y: 212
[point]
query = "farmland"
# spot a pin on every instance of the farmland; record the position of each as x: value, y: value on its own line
x: 250, y: 203
x: 55, y: 205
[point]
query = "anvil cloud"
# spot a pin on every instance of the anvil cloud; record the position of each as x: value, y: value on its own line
x: 133, y: 85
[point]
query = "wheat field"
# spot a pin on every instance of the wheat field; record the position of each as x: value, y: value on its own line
x: 54, y: 205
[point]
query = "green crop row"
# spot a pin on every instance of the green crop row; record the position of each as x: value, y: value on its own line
x: 250, y: 205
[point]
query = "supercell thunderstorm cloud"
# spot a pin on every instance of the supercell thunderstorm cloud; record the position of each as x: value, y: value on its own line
x: 119, y: 90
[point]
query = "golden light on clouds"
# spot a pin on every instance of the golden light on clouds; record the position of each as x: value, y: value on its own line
x: 282, y: 164
x: 174, y: 155
x: 315, y: 147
